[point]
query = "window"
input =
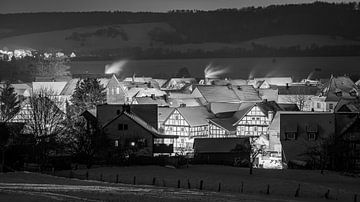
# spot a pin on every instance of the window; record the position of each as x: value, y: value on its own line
x: 116, y: 143
x: 123, y: 126
x: 311, y: 136
x: 117, y: 90
x: 331, y: 106
x: 290, y: 135
x: 318, y: 105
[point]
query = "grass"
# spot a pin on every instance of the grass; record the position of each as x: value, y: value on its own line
x: 25, y: 187
x: 283, y: 183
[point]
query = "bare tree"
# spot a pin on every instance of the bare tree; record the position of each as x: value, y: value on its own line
x: 256, y: 149
x: 44, y: 120
x: 299, y: 98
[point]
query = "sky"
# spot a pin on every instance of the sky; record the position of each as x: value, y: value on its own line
x: 15, y: 6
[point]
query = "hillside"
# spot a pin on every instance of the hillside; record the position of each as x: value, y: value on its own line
x: 317, y: 29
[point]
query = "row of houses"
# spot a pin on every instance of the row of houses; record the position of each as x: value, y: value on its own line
x: 179, y: 116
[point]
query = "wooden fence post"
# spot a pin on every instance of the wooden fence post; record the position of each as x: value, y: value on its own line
x: 134, y: 180
x: 268, y: 189
x: 327, y: 194
x: 188, y: 182
x: 164, y: 184
x: 219, y: 187
x: 178, y: 184
x: 297, y: 193
x: 153, y: 181
x: 242, y: 187
x: 117, y: 178
x: 355, y: 198
x: 87, y: 175
x: 201, y: 184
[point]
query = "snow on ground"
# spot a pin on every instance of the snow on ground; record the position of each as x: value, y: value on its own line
x: 283, y: 183
x: 32, y: 187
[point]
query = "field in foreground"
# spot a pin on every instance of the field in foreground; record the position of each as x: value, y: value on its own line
x: 31, y: 187
x: 283, y: 183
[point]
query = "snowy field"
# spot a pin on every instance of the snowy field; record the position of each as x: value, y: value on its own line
x: 29, y: 187
x: 22, y: 186
x: 283, y: 183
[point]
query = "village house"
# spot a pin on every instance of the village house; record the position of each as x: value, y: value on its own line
x: 301, y: 95
x: 134, y: 128
x: 337, y: 88
x: 187, y: 123
x: 347, y: 117
x: 224, y: 151
x: 300, y: 136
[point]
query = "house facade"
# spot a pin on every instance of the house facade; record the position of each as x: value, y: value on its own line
x: 187, y: 123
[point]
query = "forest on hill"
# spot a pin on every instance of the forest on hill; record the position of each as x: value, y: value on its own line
x: 194, y: 26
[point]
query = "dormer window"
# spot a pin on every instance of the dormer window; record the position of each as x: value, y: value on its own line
x: 338, y: 92
x: 353, y: 92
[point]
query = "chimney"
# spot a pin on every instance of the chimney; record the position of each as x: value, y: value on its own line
x: 270, y: 115
x: 126, y: 108
x: 287, y: 85
x: 206, y: 81
x: 265, y: 100
x: 133, y: 77
x: 153, y: 96
x: 182, y: 105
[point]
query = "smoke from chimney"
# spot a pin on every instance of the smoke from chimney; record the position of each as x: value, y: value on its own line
x: 115, y: 67
x: 213, y: 72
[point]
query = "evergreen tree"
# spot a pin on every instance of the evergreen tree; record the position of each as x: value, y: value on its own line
x: 9, y: 103
x: 88, y: 93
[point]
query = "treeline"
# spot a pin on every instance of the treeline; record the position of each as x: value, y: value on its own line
x: 258, y: 50
x: 193, y: 26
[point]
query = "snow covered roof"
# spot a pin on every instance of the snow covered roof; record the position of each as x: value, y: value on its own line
x: 340, y: 87
x: 195, y: 116
x: 164, y: 113
x: 279, y: 81
x: 159, y: 101
x: 298, y: 90
x: 55, y: 87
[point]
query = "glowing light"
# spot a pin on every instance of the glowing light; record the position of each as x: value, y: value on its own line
x: 115, y: 67
x: 213, y: 72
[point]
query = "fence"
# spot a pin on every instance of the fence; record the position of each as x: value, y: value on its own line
x: 243, y: 187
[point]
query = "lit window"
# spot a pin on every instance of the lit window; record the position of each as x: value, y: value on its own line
x: 117, y: 90
x: 116, y: 143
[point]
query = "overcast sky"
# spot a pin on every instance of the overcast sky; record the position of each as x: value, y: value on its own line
x: 14, y: 6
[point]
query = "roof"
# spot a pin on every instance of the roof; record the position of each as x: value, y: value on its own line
x: 178, y: 83
x: 268, y: 94
x: 220, y: 107
x: 225, y: 123
x: 275, y: 123
x: 346, y: 105
x: 246, y: 93
x: 221, y: 145
x: 338, y: 88
x: 138, y: 79
x: 164, y: 112
x: 159, y: 101
x: 55, y: 87
x: 288, y: 107
x: 243, y: 110
x: 144, y: 92
x: 228, y: 93
x: 70, y: 87
x: 190, y: 102
x: 217, y: 93
x: 298, y: 90
x: 178, y: 95
x: 195, y: 116
x: 141, y: 123
x: 160, y: 82
x: 279, y: 81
